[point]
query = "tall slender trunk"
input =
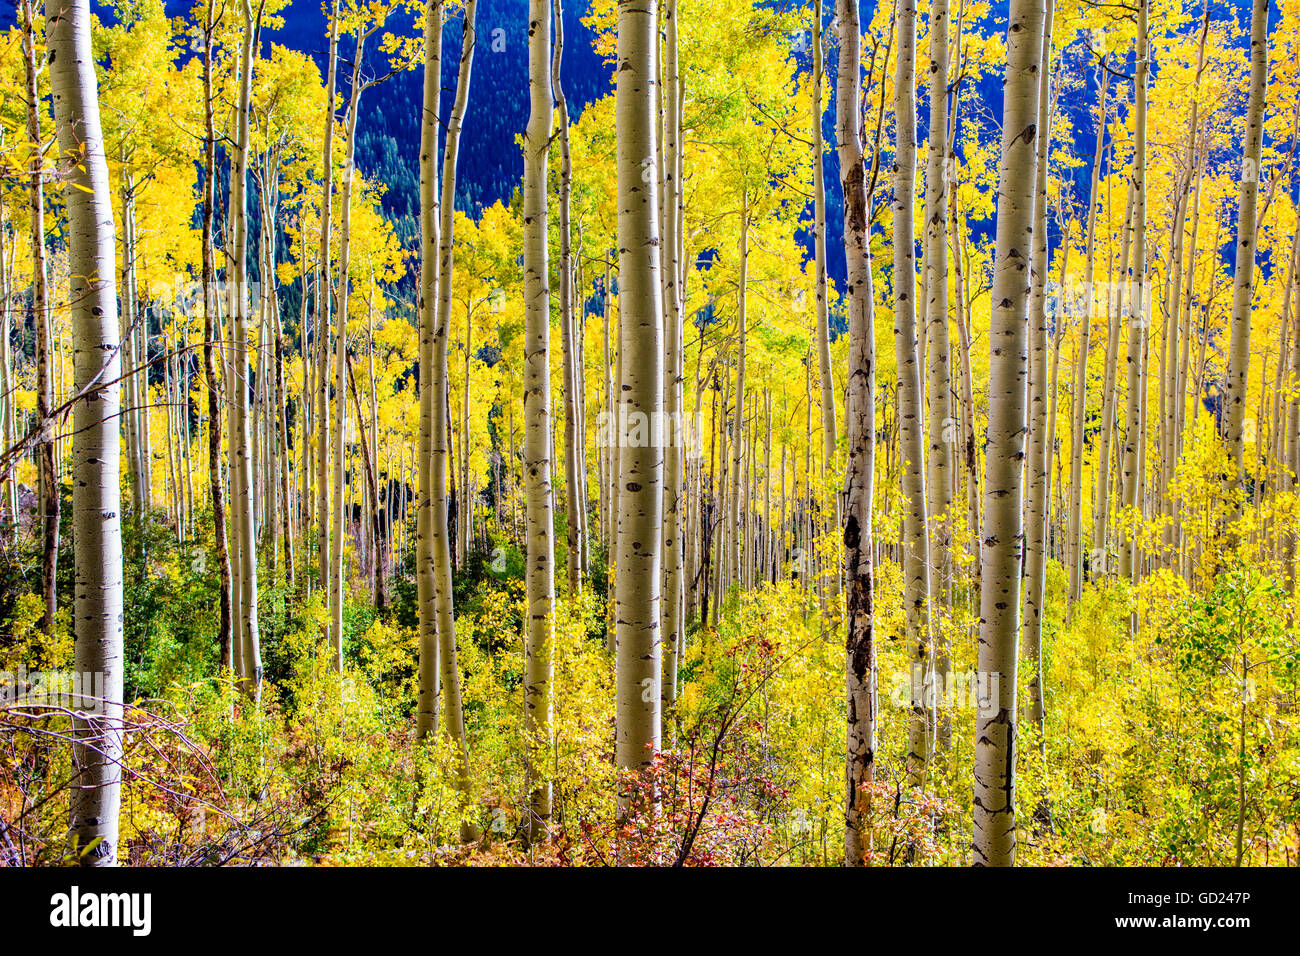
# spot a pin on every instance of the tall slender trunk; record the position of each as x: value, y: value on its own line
x: 830, y: 430
x: 969, y: 448
x: 1110, y: 402
x: 324, y: 294
x: 211, y: 331
x: 943, y: 436
x: 48, y: 477
x: 540, y: 580
x: 1000, y: 557
x: 8, y: 403
x: 1074, y: 535
x: 732, y: 530
x: 1243, y: 286
x: 572, y: 371
x: 338, y: 505
x: 640, y: 486
x: 1175, y: 337
x: 96, y: 496
x: 1139, y: 311
x: 431, y: 505
x: 1039, y: 439
x: 454, y: 721
x: 911, y: 402
x: 678, y: 434
x: 859, y: 479
x: 237, y: 304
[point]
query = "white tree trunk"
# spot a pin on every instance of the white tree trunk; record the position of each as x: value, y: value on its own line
x: 943, y: 427
x: 1040, y: 437
x: 1074, y: 534
x: 431, y: 506
x: 324, y: 293
x: 640, y: 485
x: 242, y: 495
x: 540, y: 580
x: 454, y: 721
x: 96, y: 496
x: 1243, y: 286
x: 675, y: 497
x: 830, y: 430
x: 1000, y: 557
x: 911, y: 400
x: 1139, y: 313
x: 859, y: 481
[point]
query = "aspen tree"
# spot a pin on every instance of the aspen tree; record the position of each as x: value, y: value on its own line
x: 540, y: 574
x: 96, y: 496
x: 860, y: 648
x: 237, y: 304
x: 1139, y: 312
x: 640, y: 499
x: 677, y: 436
x: 8, y: 409
x: 324, y: 295
x: 830, y: 431
x: 338, y: 505
x: 574, y: 502
x: 41, y: 314
x: 211, y: 323
x: 431, y: 507
x: 1243, y: 285
x: 916, y: 550
x: 940, y: 163
x: 1000, y: 557
x: 1173, y: 381
x: 1114, y: 306
x: 1074, y: 533
x: 453, y: 718
x: 1039, y: 439
x: 969, y: 452
x: 732, y: 530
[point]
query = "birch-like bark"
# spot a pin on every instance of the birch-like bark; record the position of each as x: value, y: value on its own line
x: 1291, y: 471
x: 572, y: 450
x: 640, y: 487
x: 211, y: 325
x: 859, y: 480
x: 830, y: 430
x: 1074, y: 534
x: 132, y: 396
x: 48, y: 484
x: 1139, y: 311
x: 96, y: 496
x: 431, y: 508
x: 453, y: 717
x: 237, y: 304
x: 338, y: 504
x: 732, y: 530
x: 8, y: 404
x: 969, y: 448
x: 995, y: 736
x: 324, y: 294
x: 675, y: 441
x: 911, y: 402
x: 540, y: 574
x: 943, y: 436
x: 1039, y: 438
x: 1114, y: 307
x: 1243, y: 286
